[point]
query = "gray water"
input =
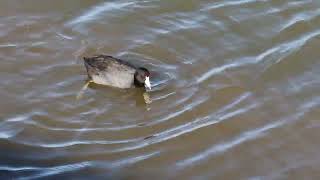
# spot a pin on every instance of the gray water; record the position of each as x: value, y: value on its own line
x: 236, y: 90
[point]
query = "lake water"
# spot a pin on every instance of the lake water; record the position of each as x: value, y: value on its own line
x: 236, y: 90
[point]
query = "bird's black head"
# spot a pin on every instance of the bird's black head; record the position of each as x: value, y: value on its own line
x: 142, y: 78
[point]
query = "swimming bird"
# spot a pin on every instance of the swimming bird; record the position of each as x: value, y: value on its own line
x: 111, y: 71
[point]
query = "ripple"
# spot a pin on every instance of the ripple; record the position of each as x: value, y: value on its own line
x: 230, y: 3
x: 135, y: 159
x: 223, y: 68
x: 222, y: 147
x: 305, y: 18
x: 42, y: 172
x: 247, y: 136
x: 195, y: 124
x: 49, y: 171
x: 277, y: 54
x: 77, y: 142
x: 6, y: 134
x: 97, y: 10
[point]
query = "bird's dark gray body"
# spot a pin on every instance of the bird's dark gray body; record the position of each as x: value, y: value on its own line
x: 107, y: 70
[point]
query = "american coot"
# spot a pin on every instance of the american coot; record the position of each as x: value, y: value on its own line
x: 111, y: 71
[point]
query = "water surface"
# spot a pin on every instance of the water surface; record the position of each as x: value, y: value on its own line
x: 236, y: 90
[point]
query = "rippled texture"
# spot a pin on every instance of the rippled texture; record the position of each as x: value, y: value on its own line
x: 236, y: 90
